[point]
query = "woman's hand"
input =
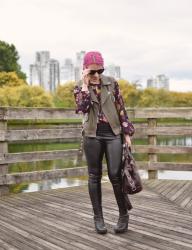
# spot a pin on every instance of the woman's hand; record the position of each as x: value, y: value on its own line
x: 85, y: 78
x: 128, y: 140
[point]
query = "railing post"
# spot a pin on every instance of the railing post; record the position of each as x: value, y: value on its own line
x: 4, y: 189
x: 152, y: 140
x: 80, y: 153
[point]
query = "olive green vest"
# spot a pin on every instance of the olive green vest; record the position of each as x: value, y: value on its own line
x: 107, y: 105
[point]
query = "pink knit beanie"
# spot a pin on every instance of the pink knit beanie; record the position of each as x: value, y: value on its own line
x: 93, y: 57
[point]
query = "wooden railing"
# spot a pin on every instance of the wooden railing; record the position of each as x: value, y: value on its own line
x: 149, y: 128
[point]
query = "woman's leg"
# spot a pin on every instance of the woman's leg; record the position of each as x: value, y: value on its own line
x: 113, y: 157
x: 113, y: 154
x: 94, y: 151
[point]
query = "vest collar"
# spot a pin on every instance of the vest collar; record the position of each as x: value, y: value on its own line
x: 104, y: 92
x: 105, y: 80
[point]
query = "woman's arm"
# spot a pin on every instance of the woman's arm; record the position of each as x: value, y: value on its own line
x: 82, y: 99
x: 127, y: 126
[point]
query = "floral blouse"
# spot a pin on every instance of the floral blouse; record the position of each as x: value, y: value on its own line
x: 83, y: 101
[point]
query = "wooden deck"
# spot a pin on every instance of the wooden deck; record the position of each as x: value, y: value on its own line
x: 62, y: 219
x: 178, y: 191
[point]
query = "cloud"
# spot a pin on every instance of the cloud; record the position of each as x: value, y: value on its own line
x: 145, y: 37
x: 182, y: 85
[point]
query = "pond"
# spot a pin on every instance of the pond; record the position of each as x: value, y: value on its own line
x: 71, y: 162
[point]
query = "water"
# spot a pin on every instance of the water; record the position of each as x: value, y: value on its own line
x: 54, y: 184
x: 71, y: 162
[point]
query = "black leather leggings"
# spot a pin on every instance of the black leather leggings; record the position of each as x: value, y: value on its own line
x: 110, y: 145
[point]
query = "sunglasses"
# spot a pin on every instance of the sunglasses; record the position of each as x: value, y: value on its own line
x: 99, y: 71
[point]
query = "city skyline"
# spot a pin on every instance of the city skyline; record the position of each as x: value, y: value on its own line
x: 146, y: 38
x: 159, y: 81
x: 47, y: 72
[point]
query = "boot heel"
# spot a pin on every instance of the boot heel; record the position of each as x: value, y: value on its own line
x: 100, y: 225
x: 122, y: 224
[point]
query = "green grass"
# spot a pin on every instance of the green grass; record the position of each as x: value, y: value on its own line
x: 164, y: 121
x: 44, y: 122
x: 29, y: 147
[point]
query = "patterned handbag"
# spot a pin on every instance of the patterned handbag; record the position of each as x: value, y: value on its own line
x: 131, y: 181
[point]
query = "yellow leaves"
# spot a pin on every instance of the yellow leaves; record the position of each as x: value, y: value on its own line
x: 15, y: 92
x: 64, y: 95
x: 181, y: 99
x: 10, y: 79
x: 130, y: 93
x: 25, y: 96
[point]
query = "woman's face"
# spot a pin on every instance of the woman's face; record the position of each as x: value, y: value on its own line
x: 96, y: 77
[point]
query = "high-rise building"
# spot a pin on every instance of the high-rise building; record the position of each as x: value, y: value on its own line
x: 79, y: 65
x: 67, y: 71
x: 42, y: 62
x: 54, y: 74
x: 160, y: 81
x: 45, y: 71
x: 34, y: 75
x: 114, y: 71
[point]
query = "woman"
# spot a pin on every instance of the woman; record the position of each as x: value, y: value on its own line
x: 105, y: 120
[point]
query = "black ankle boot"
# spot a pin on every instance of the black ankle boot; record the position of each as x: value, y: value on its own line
x: 100, y: 225
x: 122, y: 224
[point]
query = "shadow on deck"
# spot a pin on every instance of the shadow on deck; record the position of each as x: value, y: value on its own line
x: 62, y: 219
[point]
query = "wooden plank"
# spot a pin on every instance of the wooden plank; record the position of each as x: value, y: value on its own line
x: 176, y: 166
x: 67, y: 132
x: 181, y: 112
x: 59, y: 154
x: 9, y: 113
x: 4, y: 190
x: 171, y: 188
x: 17, y: 178
x: 6, y: 246
x: 50, y: 224
x: 177, y: 191
x: 42, y: 134
x: 180, y: 193
x: 152, y: 141
x: 161, y: 149
x: 168, y: 130
x: 37, y: 156
x: 173, y: 185
x: 64, y: 216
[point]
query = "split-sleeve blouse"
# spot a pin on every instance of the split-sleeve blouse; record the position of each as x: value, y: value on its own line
x: 83, y: 102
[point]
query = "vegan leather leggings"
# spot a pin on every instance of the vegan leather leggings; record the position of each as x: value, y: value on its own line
x: 108, y: 144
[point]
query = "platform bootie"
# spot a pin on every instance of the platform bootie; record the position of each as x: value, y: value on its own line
x: 122, y: 224
x: 100, y: 225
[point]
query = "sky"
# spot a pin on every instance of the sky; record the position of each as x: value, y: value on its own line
x: 144, y: 37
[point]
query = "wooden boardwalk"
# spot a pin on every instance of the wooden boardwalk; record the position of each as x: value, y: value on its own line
x: 62, y: 219
x: 178, y: 191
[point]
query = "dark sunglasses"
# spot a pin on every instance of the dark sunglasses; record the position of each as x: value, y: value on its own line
x: 99, y: 71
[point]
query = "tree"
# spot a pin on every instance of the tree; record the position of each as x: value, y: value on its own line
x: 130, y: 93
x: 181, y: 99
x: 10, y: 79
x: 153, y: 97
x: 9, y: 58
x: 25, y: 96
x: 64, y: 95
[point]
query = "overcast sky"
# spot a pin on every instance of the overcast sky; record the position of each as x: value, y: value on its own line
x: 144, y: 37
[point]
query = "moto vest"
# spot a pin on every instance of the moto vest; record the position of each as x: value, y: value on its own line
x: 108, y: 107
